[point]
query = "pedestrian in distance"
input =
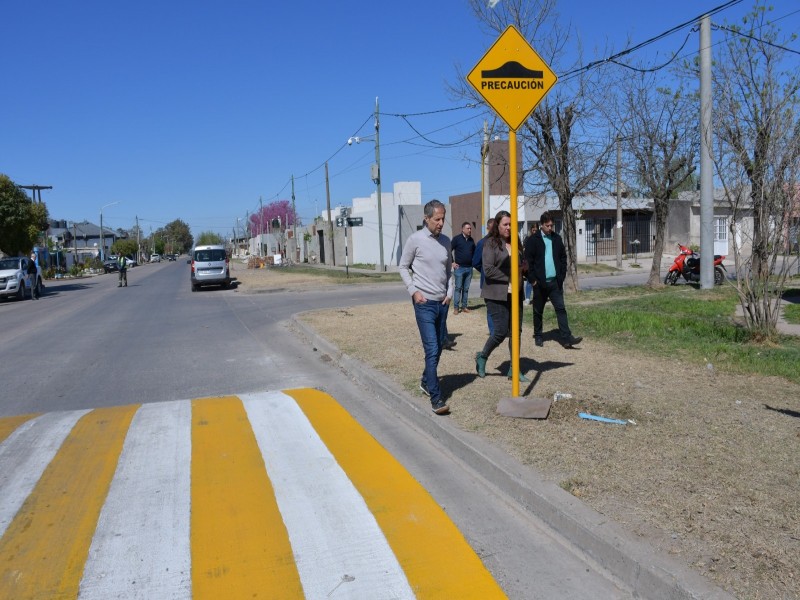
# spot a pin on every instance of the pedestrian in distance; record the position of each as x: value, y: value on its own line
x: 477, y: 263
x: 463, y: 253
x: 33, y: 277
x: 122, y: 267
x: 497, y: 290
x: 426, y: 268
x: 547, y: 269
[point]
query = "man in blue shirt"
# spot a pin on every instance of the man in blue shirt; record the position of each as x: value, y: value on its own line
x: 463, y: 251
x: 547, y: 269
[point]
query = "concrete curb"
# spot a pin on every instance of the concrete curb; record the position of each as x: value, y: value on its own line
x: 634, y: 564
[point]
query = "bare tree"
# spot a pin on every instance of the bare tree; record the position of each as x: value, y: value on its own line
x: 757, y: 159
x: 658, y: 127
x: 561, y: 160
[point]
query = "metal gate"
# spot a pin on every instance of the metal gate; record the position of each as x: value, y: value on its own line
x: 637, y: 235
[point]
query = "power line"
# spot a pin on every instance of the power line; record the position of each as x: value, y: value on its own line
x: 652, y: 40
x: 755, y: 39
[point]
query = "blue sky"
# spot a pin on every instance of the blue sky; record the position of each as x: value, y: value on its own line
x: 196, y: 110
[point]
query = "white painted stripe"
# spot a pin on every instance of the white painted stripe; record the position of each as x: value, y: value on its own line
x: 25, y: 455
x: 140, y: 548
x: 333, y: 534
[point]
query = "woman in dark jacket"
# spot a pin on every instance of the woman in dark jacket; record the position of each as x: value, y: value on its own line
x: 497, y: 289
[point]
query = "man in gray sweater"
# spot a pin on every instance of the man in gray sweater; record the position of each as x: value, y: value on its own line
x: 426, y: 269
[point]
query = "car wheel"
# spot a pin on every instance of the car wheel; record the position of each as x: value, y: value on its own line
x: 39, y: 287
x: 195, y: 287
x: 21, y: 291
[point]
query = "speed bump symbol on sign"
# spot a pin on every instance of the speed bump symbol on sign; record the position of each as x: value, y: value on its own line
x: 512, y: 78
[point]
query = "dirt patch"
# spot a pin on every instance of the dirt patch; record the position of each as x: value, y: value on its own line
x: 272, y: 278
x: 709, y: 473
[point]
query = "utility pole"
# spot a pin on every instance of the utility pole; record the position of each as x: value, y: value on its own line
x: 706, y: 163
x: 294, y: 224
x: 485, y: 178
x: 619, y: 205
x: 138, y: 242
x: 260, y: 224
x: 377, y: 179
x: 330, y: 223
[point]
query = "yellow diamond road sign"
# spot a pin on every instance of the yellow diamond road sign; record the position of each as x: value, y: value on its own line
x: 512, y: 78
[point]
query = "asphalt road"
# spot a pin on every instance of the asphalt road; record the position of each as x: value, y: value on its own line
x: 89, y: 344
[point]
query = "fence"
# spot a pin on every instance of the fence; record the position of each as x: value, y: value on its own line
x: 637, y: 236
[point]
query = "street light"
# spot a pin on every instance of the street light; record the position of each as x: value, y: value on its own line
x: 102, y: 243
x: 376, y: 173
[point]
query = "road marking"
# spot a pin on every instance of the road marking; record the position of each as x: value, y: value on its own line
x: 142, y: 539
x: 336, y: 541
x: 435, y: 557
x: 275, y: 495
x: 44, y: 548
x: 239, y: 544
x: 25, y: 455
x: 9, y: 424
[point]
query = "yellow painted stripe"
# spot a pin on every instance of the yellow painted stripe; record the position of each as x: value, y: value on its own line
x: 240, y: 547
x: 435, y: 557
x: 9, y: 424
x: 44, y: 549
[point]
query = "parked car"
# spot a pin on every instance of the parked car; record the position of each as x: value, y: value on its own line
x: 210, y: 267
x: 155, y: 258
x: 13, y: 280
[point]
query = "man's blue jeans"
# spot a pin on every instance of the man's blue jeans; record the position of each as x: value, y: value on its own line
x: 463, y: 277
x: 432, y: 323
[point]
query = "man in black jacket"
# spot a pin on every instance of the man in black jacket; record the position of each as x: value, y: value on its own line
x: 547, y: 269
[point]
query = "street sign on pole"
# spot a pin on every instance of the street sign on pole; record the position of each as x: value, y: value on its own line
x: 513, y: 79
x: 355, y: 221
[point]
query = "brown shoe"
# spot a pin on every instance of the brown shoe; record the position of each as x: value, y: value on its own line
x: 465, y: 310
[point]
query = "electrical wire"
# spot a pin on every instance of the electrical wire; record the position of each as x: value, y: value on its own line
x: 652, y: 40
x: 750, y: 37
x: 659, y: 67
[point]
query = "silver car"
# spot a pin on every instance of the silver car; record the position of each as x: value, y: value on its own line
x: 210, y: 266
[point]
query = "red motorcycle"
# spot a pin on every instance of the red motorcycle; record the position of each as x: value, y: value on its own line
x: 687, y: 264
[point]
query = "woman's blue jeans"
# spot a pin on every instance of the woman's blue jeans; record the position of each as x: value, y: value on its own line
x: 431, y: 318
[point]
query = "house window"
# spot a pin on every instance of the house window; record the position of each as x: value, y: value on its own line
x: 720, y: 229
x: 604, y: 227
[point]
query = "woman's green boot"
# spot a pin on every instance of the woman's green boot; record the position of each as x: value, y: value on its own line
x: 480, y: 364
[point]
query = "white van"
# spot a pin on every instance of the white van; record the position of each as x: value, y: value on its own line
x: 210, y: 266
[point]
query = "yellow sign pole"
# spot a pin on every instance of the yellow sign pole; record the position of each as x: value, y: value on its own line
x: 515, y: 316
x: 512, y: 79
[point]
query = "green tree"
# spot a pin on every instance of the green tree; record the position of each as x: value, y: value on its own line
x: 207, y: 238
x: 179, y: 236
x: 125, y: 247
x: 21, y: 219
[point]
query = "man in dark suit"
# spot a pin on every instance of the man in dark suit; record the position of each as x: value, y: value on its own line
x: 547, y: 269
